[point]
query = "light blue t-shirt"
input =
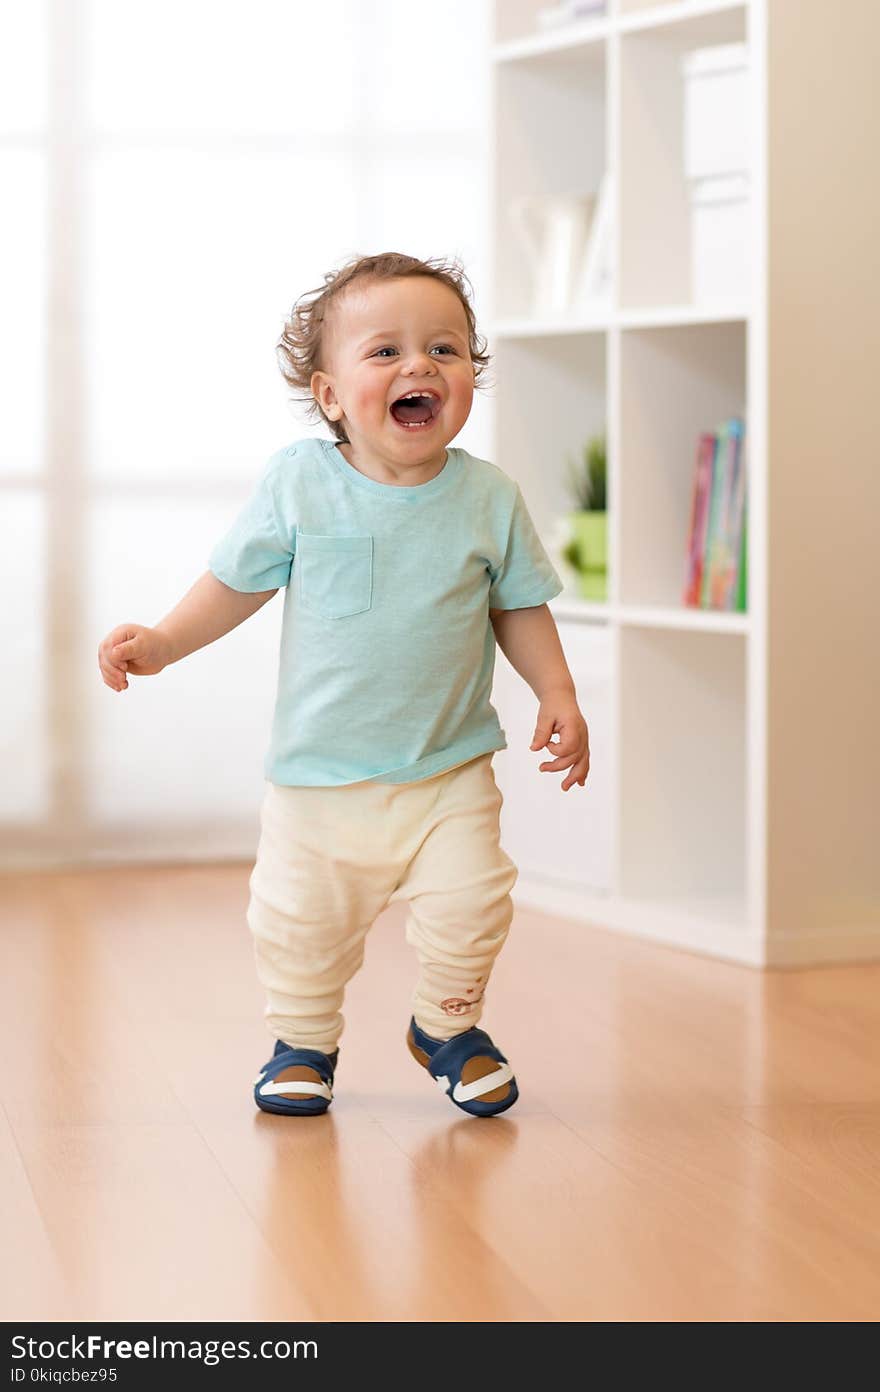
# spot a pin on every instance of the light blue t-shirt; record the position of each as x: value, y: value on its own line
x: 387, y: 651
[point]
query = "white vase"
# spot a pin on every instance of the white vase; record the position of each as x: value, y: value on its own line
x: 553, y: 231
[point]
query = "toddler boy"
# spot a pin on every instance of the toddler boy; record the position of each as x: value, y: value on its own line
x: 404, y: 560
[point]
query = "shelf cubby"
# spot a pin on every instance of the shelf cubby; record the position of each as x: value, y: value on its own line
x: 626, y: 8
x: 655, y: 223
x: 516, y: 22
x: 561, y: 840
x: 551, y: 140
x: 674, y: 383
x: 682, y: 765
x: 704, y: 19
x: 551, y: 397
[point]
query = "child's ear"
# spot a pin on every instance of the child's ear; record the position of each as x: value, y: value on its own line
x: 321, y: 387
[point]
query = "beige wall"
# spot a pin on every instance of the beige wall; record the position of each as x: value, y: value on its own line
x: 824, y: 469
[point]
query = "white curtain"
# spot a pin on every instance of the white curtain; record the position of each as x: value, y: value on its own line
x: 173, y: 177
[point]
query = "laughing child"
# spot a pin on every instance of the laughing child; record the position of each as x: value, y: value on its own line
x: 404, y: 561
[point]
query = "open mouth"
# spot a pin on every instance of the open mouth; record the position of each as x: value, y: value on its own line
x: 416, y: 410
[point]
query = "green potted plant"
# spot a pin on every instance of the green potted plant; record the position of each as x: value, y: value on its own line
x: 587, y: 550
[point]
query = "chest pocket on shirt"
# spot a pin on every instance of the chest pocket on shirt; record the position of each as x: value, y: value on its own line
x: 335, y: 574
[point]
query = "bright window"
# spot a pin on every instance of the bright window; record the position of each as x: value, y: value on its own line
x: 174, y: 177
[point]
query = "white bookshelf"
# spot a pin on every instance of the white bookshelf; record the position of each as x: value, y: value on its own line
x: 717, y: 816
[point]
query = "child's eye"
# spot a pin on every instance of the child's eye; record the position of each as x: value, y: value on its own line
x: 379, y: 351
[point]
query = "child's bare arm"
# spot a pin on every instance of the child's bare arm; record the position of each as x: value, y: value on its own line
x: 205, y: 613
x: 530, y: 642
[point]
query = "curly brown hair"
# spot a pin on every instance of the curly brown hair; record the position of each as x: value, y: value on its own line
x: 299, y: 349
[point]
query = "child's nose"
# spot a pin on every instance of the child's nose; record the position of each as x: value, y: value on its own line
x: 419, y: 362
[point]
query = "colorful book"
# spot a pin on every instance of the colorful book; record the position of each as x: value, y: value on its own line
x: 710, y: 549
x: 725, y: 558
x: 742, y: 591
x: 699, y: 513
x: 734, y: 522
x: 716, y: 547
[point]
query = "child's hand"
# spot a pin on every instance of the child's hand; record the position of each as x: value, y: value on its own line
x: 559, y: 712
x: 132, y: 648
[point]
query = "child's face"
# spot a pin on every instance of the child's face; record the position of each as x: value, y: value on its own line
x: 392, y: 337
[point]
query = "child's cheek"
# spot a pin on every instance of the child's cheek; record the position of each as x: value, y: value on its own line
x: 370, y: 401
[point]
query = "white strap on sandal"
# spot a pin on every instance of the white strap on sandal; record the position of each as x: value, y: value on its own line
x: 467, y: 1092
x: 294, y: 1085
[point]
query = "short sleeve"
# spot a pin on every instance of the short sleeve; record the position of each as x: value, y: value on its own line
x: 257, y: 552
x: 525, y: 576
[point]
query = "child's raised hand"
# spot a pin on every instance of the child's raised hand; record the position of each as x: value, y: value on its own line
x: 131, y: 648
x: 559, y: 713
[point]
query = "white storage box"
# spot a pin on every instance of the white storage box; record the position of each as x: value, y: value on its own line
x: 720, y: 239
x: 717, y: 111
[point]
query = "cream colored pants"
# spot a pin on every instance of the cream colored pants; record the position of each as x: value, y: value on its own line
x: 330, y: 859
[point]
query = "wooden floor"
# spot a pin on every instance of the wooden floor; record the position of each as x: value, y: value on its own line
x: 694, y: 1141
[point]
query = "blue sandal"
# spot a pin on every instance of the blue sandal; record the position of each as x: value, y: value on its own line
x: 447, y: 1062
x: 320, y: 1095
